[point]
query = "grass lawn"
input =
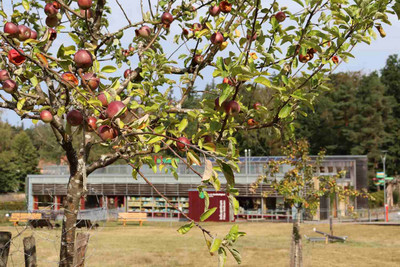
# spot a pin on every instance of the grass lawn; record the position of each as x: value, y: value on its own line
x: 266, y: 244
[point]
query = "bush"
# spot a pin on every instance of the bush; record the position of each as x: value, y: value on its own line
x: 13, y: 205
x: 379, y: 198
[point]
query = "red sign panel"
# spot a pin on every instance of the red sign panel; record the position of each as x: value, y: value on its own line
x: 217, y: 199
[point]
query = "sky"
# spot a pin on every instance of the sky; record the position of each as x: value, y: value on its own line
x: 368, y: 58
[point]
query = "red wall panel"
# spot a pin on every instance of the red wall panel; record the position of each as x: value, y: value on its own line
x: 217, y: 199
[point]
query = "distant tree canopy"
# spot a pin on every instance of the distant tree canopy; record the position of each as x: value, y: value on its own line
x: 18, y: 157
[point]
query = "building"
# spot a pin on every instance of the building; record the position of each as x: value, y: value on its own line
x: 113, y: 187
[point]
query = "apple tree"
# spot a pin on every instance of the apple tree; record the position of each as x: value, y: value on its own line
x: 118, y: 73
x: 302, y: 187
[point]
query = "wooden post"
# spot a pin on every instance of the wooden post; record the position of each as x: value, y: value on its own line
x: 30, y: 251
x: 330, y: 225
x: 5, y: 238
x: 82, y: 240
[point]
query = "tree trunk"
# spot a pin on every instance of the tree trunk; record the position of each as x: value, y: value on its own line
x: 296, y: 256
x: 71, y: 208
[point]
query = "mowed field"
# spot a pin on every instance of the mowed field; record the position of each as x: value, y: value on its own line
x: 266, y: 244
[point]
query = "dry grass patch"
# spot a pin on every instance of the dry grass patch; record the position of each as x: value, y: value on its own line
x: 266, y: 244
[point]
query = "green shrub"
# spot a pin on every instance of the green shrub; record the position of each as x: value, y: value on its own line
x: 14, y: 205
x: 378, y: 202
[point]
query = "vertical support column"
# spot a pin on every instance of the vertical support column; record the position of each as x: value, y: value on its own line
x: 82, y: 203
x: 125, y: 204
x: 116, y: 202
x: 35, y: 203
x: 101, y: 201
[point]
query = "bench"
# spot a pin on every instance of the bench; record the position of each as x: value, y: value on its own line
x: 24, y: 217
x: 84, y: 223
x: 132, y: 217
x: 40, y: 223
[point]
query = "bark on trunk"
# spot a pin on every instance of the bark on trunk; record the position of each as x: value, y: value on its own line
x: 71, y: 208
x: 296, y: 256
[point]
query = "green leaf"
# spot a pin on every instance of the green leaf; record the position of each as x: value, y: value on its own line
x: 207, y: 214
x: 263, y: 80
x: 216, y: 243
x: 75, y: 38
x: 25, y: 4
x: 235, y: 203
x: 34, y: 80
x: 228, y: 173
x: 182, y: 125
x: 284, y: 112
x: 134, y: 173
x: 206, y: 200
x: 109, y: 69
x: 193, y: 158
x: 21, y: 103
x: 221, y: 257
x: 185, y: 228
x: 236, y: 255
x: 396, y: 8
x: 155, y: 140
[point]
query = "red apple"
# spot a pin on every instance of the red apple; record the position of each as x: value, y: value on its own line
x: 53, y: 34
x: 103, y: 99
x: 85, y: 4
x: 280, y: 16
x: 24, y: 33
x: 83, y: 59
x: 257, y: 106
x: 303, y: 58
x: 335, y: 59
x: 86, y: 13
x: 11, y: 29
x: 74, y: 117
x: 214, y: 11
x: 56, y: 5
x: 50, y: 10
x: 182, y: 142
x: 217, y: 38
x: 254, y: 36
x: 51, y: 21
x: 218, y: 106
x: 106, y: 132
x: 207, y: 139
x: 114, y: 108
x: 33, y: 35
x: 15, y: 57
x: 167, y: 18
x: 91, y: 123
x: 4, y: 75
x: 251, y: 122
x: 197, y: 27
x: 232, y: 107
x: 10, y: 86
x: 127, y: 73
x: 198, y: 59
x: 46, y: 116
x: 143, y: 31
x: 91, y: 80
x: 225, y: 6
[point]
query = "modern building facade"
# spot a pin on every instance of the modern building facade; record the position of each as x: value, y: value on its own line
x: 113, y: 187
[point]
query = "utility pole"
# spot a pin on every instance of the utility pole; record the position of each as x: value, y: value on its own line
x: 384, y: 183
